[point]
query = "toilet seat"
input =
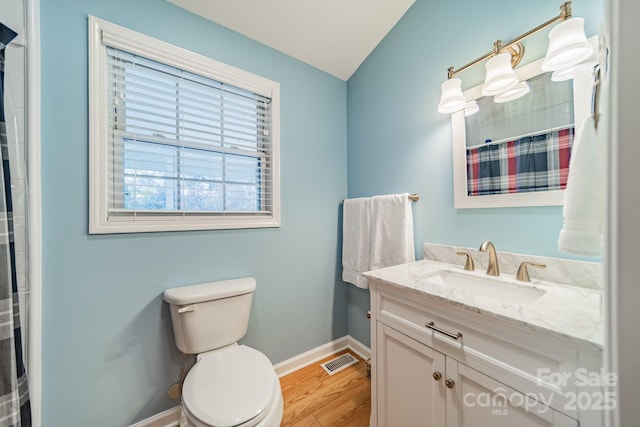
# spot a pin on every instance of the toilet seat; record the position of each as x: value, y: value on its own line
x: 230, y: 387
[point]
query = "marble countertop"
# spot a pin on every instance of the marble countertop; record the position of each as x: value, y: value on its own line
x: 566, y: 312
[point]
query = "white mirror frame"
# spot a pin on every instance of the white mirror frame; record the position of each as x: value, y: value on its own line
x: 582, y: 94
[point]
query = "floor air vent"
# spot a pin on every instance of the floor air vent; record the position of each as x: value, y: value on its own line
x: 339, y: 363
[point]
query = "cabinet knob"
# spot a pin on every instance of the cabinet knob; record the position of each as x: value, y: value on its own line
x: 450, y: 383
x: 437, y: 376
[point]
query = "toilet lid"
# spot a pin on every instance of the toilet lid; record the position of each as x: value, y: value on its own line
x: 229, y: 386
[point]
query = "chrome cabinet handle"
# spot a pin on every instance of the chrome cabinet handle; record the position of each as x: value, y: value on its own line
x: 432, y: 325
x: 450, y: 383
x: 437, y: 376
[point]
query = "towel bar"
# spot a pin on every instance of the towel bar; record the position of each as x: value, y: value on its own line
x: 413, y: 197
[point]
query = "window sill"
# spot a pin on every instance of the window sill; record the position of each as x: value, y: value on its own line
x: 180, y: 223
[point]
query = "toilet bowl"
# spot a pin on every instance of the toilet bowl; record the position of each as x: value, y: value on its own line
x: 233, y: 386
x: 230, y: 385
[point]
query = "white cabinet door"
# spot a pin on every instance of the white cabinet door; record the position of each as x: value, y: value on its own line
x: 476, y: 400
x: 408, y: 393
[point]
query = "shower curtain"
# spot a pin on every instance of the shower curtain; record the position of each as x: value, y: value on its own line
x: 15, y: 410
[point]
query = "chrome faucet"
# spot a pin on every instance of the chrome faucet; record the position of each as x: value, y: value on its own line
x: 492, y: 269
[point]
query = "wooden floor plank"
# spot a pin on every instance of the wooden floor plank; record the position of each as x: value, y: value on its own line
x: 314, y: 398
x: 308, y: 421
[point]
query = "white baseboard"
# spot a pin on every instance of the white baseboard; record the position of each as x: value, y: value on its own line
x: 307, y: 358
x: 171, y: 417
x: 358, y: 348
x: 168, y: 418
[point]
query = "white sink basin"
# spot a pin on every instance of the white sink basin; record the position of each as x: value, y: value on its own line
x: 480, y: 286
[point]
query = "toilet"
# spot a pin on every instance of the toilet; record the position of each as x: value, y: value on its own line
x: 230, y: 384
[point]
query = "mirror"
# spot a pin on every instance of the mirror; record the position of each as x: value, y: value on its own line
x: 538, y: 128
x: 548, y: 107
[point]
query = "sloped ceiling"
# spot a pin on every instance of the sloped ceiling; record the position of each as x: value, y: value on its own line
x: 335, y: 36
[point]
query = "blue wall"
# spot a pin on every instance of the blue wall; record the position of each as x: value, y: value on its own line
x: 398, y: 142
x: 108, y: 350
x: 108, y: 346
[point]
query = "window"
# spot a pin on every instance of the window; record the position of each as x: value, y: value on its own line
x: 178, y: 141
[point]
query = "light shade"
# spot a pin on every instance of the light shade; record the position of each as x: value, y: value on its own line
x: 452, y: 99
x: 500, y: 75
x: 471, y: 108
x: 518, y: 91
x: 568, y: 45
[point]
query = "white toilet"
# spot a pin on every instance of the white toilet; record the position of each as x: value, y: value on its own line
x: 230, y: 384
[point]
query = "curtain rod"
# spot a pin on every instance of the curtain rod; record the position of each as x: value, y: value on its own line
x: 515, y: 138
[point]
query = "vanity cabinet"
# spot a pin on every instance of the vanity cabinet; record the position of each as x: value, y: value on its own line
x: 419, y: 386
x: 435, y: 364
x: 404, y: 370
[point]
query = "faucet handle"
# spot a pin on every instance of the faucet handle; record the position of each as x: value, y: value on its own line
x: 468, y: 265
x: 523, y: 273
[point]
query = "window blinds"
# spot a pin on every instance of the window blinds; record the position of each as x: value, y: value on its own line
x: 182, y: 143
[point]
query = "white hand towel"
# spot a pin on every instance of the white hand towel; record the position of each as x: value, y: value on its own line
x: 391, y: 231
x: 582, y: 232
x: 356, y: 240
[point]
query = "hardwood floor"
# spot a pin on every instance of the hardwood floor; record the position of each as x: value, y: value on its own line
x: 313, y: 398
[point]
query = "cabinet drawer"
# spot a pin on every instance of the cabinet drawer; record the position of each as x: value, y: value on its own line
x: 525, y: 360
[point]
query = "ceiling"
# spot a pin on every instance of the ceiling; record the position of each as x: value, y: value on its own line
x: 335, y: 36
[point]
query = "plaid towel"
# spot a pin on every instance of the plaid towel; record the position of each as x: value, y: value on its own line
x: 531, y: 163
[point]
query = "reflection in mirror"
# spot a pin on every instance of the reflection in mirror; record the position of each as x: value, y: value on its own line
x: 523, y: 145
x: 548, y: 106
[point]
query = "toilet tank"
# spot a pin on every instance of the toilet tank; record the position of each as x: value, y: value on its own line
x: 210, y: 315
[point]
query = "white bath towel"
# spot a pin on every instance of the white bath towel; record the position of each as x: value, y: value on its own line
x: 583, y: 212
x: 391, y: 231
x: 356, y: 240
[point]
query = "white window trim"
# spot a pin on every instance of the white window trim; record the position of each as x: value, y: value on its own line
x: 102, y: 33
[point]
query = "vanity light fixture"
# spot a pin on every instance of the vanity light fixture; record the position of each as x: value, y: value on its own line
x: 452, y: 99
x: 500, y: 76
x: 568, y: 46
